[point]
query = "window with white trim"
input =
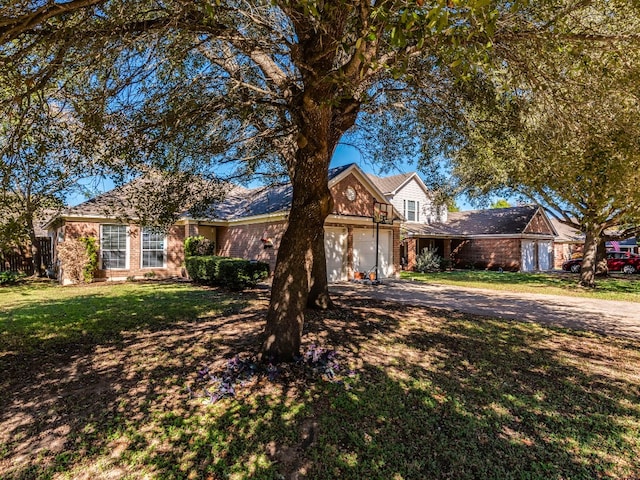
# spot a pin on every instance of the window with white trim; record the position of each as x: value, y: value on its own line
x: 114, y: 247
x: 153, y: 250
x: 411, y: 211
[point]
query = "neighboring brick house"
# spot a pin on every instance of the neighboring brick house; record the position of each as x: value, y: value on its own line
x: 570, y: 243
x: 516, y: 239
x: 249, y: 224
x: 567, y: 245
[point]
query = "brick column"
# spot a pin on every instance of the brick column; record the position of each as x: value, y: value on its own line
x: 412, y: 246
x: 350, y: 270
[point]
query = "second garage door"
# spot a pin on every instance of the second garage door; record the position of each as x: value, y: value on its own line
x: 335, y: 248
x: 364, y: 251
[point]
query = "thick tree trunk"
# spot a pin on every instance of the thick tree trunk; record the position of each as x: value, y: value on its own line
x: 292, y: 276
x: 36, y: 254
x: 602, y: 269
x: 319, y: 288
x: 588, y: 267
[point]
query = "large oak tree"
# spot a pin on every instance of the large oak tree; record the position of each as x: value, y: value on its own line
x: 571, y: 144
x: 275, y: 86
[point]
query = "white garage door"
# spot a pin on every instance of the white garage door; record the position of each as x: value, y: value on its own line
x: 545, y: 250
x: 528, y: 256
x: 364, y: 251
x: 335, y: 248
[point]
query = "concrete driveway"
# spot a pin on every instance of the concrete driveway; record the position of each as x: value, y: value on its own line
x: 603, y: 316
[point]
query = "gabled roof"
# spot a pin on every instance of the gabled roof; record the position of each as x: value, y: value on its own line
x: 264, y: 200
x: 390, y: 185
x: 105, y: 203
x: 566, y: 233
x: 239, y: 202
x: 496, y: 221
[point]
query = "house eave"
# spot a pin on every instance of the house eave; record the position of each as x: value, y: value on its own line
x: 481, y: 236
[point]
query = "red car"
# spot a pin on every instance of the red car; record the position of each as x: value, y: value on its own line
x: 616, y: 262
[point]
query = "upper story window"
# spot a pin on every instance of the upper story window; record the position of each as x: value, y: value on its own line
x: 411, y: 212
x: 114, y: 246
x: 153, y: 252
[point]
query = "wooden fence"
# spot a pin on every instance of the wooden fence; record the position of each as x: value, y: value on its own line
x: 15, y: 262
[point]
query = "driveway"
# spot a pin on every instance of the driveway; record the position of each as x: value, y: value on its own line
x: 603, y: 316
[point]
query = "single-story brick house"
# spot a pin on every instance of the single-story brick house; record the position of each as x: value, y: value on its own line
x: 516, y: 239
x: 248, y: 223
x: 568, y: 244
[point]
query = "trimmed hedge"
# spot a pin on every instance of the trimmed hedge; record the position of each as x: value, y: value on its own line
x: 231, y: 273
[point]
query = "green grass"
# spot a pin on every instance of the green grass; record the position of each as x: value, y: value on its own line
x: 616, y: 287
x: 39, y: 315
x: 421, y: 395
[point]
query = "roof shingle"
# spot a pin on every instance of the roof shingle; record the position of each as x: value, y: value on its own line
x: 388, y: 185
x: 496, y: 221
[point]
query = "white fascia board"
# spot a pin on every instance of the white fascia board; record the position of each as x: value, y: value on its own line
x: 268, y: 217
x: 94, y: 219
x: 114, y: 220
x: 354, y: 220
x: 202, y: 221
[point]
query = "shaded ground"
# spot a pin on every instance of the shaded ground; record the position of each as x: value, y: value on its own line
x: 603, y: 316
x: 423, y: 394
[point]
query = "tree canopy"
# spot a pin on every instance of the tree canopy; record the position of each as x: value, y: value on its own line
x: 572, y: 146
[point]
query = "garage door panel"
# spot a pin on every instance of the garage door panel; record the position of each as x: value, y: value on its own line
x: 545, y: 250
x: 528, y: 256
x: 335, y: 249
x: 364, y: 251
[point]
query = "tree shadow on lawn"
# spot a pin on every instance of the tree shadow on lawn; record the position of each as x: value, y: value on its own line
x: 420, y: 395
x: 98, y: 359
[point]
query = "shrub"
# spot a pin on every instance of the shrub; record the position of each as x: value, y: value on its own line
x: 203, y: 269
x: 10, y: 278
x: 80, y: 258
x: 446, y: 264
x: 199, y: 247
x: 428, y: 261
x: 90, y: 268
x: 231, y: 273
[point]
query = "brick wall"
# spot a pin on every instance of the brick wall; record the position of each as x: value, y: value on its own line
x: 362, y: 205
x: 487, y: 253
x: 174, y: 251
x: 411, y: 245
x: 563, y: 252
x: 244, y: 241
x: 538, y: 225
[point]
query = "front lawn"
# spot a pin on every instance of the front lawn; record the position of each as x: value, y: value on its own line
x: 615, y: 287
x: 109, y: 381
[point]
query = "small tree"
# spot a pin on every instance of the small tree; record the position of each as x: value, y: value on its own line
x: 500, y: 203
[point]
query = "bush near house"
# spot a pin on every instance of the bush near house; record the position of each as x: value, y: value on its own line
x: 80, y: 258
x: 199, y: 246
x: 429, y: 261
x: 11, y: 278
x: 232, y: 273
